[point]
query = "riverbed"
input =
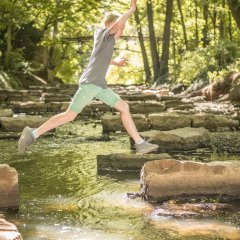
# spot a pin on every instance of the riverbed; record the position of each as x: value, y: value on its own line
x: 63, y: 197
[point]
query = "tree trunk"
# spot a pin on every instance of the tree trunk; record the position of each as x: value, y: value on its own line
x: 230, y: 26
x: 152, y: 38
x: 183, y: 23
x: 147, y: 69
x: 234, y: 6
x: 9, y: 45
x: 205, y: 28
x: 51, y: 62
x: 196, y: 24
x: 166, y: 43
x: 222, y: 21
x: 214, y: 21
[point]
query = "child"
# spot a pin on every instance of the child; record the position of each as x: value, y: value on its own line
x: 93, y: 84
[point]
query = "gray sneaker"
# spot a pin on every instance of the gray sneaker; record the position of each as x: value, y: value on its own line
x: 145, y: 147
x: 25, y: 140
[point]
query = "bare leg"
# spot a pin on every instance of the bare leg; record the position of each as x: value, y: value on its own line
x: 127, y: 120
x: 56, y: 121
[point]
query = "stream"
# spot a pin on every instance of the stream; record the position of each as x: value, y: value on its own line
x: 63, y: 197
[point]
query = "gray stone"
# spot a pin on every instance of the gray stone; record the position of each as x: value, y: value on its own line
x: 139, y: 97
x: 54, y: 106
x: 112, y: 123
x: 168, y: 121
x: 16, y: 124
x: 212, y: 121
x: 146, y: 107
x: 55, y: 97
x: 173, y: 103
x: 8, y: 187
x: 165, y: 179
x: 122, y: 161
x: 181, y: 139
x: 29, y: 107
x: 8, y: 231
x: 6, y: 113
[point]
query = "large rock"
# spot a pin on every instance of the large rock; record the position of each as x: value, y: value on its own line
x: 168, y: 121
x: 112, y: 123
x: 6, y: 113
x: 181, y: 139
x: 122, y: 161
x: 8, y: 231
x: 146, y: 107
x: 234, y: 93
x: 8, y: 187
x: 18, y: 95
x: 212, y: 121
x: 165, y: 179
x: 29, y: 107
x: 16, y: 124
x: 139, y: 97
x: 55, y: 97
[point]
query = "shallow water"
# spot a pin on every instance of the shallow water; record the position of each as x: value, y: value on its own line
x: 62, y: 197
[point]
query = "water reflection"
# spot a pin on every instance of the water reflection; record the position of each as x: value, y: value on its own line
x: 62, y: 197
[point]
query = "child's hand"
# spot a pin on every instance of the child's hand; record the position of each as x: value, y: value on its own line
x: 133, y: 5
x: 121, y: 61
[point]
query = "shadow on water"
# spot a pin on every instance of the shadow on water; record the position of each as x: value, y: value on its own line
x: 62, y: 197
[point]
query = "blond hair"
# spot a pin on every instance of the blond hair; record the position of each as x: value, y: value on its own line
x: 110, y: 17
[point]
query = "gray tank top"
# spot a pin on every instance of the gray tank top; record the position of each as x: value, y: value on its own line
x: 100, y: 59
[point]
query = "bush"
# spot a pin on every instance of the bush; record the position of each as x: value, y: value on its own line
x: 209, y: 64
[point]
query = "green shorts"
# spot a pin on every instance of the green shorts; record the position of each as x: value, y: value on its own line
x: 88, y: 91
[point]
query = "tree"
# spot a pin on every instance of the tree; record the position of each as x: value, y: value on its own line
x: 234, y: 6
x: 166, y: 43
x: 152, y: 39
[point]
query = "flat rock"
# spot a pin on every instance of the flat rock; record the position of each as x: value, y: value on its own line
x: 29, y: 107
x: 6, y: 112
x: 16, y: 124
x: 146, y: 107
x: 139, y: 97
x: 112, y: 123
x: 170, y: 178
x: 212, y: 121
x: 8, y: 231
x: 8, y: 187
x: 181, y: 139
x: 122, y: 161
x: 168, y: 121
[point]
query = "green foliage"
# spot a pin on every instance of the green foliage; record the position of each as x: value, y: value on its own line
x: 209, y: 64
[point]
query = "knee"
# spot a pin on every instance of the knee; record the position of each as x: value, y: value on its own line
x: 69, y: 116
x: 125, y: 108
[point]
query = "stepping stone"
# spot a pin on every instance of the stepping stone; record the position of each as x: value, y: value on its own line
x: 139, y: 97
x: 169, y: 178
x: 146, y: 107
x: 112, y: 123
x: 182, y: 139
x: 8, y: 187
x: 122, y: 161
x: 16, y: 124
x: 6, y: 113
x: 55, y: 97
x: 168, y: 121
x: 29, y: 107
x: 211, y: 121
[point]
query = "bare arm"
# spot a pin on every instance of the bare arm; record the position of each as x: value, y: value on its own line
x: 121, y: 21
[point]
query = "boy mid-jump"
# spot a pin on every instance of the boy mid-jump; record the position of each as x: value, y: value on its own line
x: 93, y: 84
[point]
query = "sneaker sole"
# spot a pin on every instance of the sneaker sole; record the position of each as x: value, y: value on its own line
x: 147, y: 151
x: 21, y: 148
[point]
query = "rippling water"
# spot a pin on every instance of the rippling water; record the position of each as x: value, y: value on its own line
x: 62, y: 197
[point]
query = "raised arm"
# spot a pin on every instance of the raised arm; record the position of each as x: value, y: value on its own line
x: 119, y: 25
